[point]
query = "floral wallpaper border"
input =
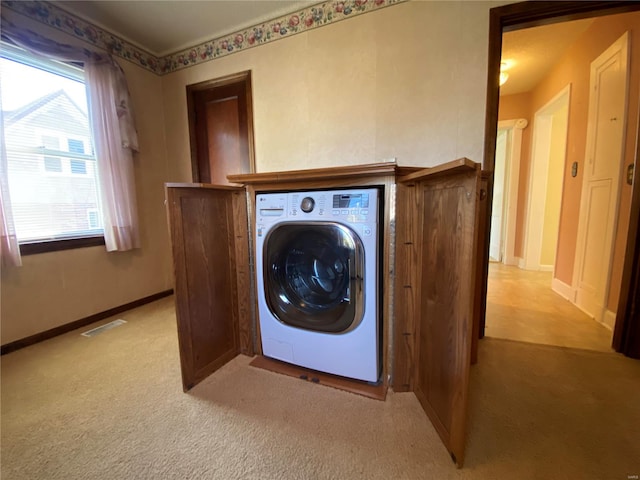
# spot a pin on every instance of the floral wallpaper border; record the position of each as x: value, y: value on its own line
x: 308, y: 18
x: 302, y: 20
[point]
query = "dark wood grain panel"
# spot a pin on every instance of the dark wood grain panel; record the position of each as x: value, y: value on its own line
x: 243, y: 267
x: 482, y: 266
x: 210, y: 280
x: 449, y: 205
x: 203, y: 233
x: 407, y: 288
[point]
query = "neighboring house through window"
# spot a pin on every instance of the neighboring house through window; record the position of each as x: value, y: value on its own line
x: 51, y: 166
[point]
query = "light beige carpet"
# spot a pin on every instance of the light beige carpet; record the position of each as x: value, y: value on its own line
x: 111, y: 407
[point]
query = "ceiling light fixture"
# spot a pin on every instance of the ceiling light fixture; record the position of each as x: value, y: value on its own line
x: 504, y: 66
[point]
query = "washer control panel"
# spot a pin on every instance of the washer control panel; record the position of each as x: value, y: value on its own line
x: 349, y: 206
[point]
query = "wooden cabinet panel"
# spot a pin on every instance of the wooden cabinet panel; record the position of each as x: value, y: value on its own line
x: 405, y: 288
x: 210, y: 251
x: 446, y: 199
x: 482, y: 264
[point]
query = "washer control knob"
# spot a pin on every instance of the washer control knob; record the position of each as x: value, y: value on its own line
x: 307, y: 204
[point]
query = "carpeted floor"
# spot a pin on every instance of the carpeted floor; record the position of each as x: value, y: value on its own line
x: 111, y: 407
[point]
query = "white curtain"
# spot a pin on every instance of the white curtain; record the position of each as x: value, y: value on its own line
x: 113, y: 128
x: 9, y: 248
x: 112, y: 142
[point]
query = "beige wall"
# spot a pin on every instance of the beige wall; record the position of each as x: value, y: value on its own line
x: 56, y: 288
x: 573, y: 69
x: 405, y: 82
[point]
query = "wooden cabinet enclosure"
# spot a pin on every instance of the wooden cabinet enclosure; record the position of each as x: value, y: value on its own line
x: 429, y: 248
x: 211, y: 262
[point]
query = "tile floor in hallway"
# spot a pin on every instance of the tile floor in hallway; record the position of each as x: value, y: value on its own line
x: 522, y: 306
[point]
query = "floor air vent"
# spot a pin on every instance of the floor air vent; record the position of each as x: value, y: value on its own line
x: 103, y: 328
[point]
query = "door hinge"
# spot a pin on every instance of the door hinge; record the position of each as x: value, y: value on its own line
x: 630, y: 173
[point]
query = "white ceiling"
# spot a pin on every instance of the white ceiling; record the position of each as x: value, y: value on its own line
x: 166, y: 26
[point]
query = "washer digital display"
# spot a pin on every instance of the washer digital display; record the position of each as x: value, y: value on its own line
x: 360, y: 200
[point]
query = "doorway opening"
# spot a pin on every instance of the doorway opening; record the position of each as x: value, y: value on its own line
x: 221, y: 128
x: 521, y: 303
x: 504, y: 213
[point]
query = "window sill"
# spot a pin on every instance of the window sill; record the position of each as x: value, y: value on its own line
x: 57, y: 245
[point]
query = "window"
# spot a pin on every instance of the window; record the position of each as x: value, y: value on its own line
x: 51, y: 166
x: 78, y: 166
x: 75, y: 146
x: 94, y: 218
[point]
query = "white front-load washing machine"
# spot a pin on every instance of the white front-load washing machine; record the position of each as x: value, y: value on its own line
x: 317, y: 280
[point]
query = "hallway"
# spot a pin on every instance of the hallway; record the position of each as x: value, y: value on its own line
x: 521, y: 306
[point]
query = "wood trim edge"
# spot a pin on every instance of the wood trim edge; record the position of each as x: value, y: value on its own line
x: 375, y: 392
x: 68, y: 327
x: 328, y: 173
x: 210, y: 186
x: 445, y: 168
x: 47, y: 246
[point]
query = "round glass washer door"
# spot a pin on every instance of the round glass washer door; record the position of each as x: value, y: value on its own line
x: 313, y: 274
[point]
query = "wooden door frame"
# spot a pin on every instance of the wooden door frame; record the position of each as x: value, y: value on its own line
x: 243, y: 78
x: 531, y: 14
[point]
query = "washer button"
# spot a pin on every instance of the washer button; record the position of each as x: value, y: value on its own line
x: 307, y: 204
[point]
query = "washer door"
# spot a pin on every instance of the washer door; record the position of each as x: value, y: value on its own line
x: 313, y: 275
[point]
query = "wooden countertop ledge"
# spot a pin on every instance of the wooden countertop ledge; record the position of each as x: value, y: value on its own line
x: 329, y: 173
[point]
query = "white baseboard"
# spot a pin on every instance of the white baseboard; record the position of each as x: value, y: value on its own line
x: 546, y: 268
x: 511, y: 260
x: 564, y: 290
x: 584, y: 310
x: 609, y: 319
x: 521, y: 263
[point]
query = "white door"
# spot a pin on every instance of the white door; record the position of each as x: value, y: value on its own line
x: 602, y: 171
x: 545, y: 185
x: 496, y: 244
x: 507, y: 177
